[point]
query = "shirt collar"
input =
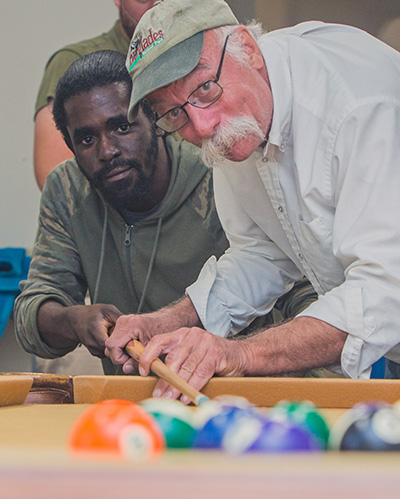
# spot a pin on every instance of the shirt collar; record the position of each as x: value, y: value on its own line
x: 281, y: 87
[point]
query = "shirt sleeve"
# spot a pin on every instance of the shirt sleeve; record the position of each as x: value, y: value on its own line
x: 55, y: 68
x: 246, y: 281
x: 365, y: 180
x: 55, y: 272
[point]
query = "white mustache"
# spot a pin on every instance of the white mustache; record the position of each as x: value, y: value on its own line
x: 216, y: 149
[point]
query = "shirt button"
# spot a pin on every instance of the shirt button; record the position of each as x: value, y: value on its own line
x: 300, y: 256
x: 265, y: 159
x: 280, y: 209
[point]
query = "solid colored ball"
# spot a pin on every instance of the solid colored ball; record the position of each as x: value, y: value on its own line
x: 211, y: 433
x: 268, y: 435
x: 175, y: 420
x: 99, y: 429
x: 367, y: 427
x: 306, y: 414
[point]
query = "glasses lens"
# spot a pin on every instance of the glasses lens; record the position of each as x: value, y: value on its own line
x: 206, y: 94
x: 173, y: 120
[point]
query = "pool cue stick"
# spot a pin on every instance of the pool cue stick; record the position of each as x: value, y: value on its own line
x: 135, y: 350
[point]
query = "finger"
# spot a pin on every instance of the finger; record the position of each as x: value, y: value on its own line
x: 130, y: 366
x: 112, y: 314
x: 204, y: 371
x: 184, y: 353
x: 117, y: 332
x: 193, y: 362
x: 156, y: 347
x: 201, y: 364
x: 164, y: 390
x: 123, y: 332
x: 185, y: 360
x: 117, y: 356
x: 102, y: 332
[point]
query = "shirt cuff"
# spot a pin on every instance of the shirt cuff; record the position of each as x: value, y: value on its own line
x: 212, y: 313
x: 357, y: 354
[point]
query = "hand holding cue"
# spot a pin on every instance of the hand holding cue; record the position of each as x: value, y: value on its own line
x: 135, y: 349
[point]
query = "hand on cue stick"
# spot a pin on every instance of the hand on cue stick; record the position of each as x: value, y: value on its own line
x: 135, y: 349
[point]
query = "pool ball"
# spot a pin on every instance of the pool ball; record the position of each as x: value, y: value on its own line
x: 175, y: 420
x: 367, y: 427
x: 99, y: 428
x: 212, y: 407
x: 267, y: 435
x: 306, y: 414
x: 233, y: 401
x: 396, y: 407
x: 215, y: 420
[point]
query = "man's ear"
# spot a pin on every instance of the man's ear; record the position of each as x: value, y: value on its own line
x: 117, y: 3
x: 256, y: 59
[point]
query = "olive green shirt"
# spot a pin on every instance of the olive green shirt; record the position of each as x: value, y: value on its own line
x: 60, y: 61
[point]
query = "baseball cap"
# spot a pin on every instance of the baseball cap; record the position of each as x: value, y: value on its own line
x: 168, y: 41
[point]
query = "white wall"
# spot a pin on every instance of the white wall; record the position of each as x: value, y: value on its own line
x: 31, y: 30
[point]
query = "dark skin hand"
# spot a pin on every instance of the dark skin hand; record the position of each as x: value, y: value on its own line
x: 86, y: 324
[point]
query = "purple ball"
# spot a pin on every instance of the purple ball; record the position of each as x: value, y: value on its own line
x: 268, y: 435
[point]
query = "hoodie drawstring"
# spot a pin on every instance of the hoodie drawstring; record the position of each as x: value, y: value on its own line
x: 149, y: 270
x: 102, y: 252
x: 151, y: 264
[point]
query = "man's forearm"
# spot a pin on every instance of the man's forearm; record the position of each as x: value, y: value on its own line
x: 301, y: 344
x: 179, y: 314
x: 54, y: 327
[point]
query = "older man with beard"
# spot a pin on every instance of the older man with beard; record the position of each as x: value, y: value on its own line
x: 303, y: 125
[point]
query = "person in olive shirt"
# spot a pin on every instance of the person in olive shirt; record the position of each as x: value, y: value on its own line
x: 49, y: 146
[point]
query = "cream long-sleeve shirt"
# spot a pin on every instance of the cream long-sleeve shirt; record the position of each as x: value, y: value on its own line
x: 322, y: 199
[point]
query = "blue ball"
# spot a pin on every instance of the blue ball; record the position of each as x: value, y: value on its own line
x: 212, y: 432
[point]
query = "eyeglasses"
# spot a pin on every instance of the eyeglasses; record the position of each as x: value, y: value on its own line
x: 204, y: 96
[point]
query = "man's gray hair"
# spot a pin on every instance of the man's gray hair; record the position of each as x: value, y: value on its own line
x: 235, y: 47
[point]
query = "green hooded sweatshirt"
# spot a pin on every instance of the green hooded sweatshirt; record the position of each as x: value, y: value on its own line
x: 84, y: 244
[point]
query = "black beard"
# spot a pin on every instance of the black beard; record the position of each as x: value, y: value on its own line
x: 121, y: 194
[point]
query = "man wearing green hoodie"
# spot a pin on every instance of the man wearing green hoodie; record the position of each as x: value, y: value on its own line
x: 131, y: 219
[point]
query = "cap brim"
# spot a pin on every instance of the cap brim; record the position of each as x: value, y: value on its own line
x: 175, y: 63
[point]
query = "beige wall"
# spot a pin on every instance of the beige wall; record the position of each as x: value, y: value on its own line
x: 30, y: 31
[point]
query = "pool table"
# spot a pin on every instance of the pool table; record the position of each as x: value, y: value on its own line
x: 37, y: 412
